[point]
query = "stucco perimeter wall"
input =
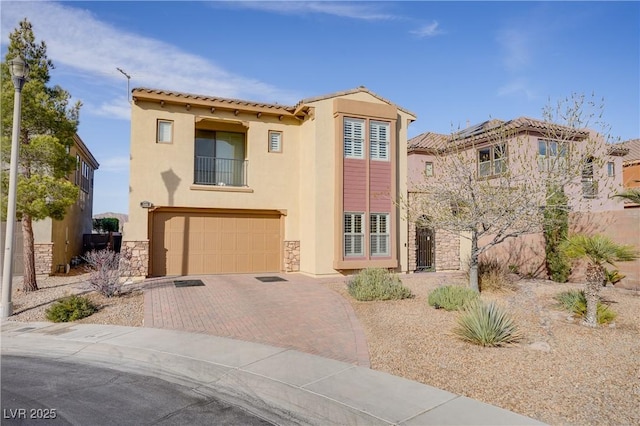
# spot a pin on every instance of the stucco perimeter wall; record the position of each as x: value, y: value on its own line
x: 623, y: 227
x: 526, y: 253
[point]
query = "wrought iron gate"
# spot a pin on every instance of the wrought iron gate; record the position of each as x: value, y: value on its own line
x: 425, y: 249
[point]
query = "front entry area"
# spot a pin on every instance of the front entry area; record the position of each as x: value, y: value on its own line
x: 202, y: 241
x: 425, y: 249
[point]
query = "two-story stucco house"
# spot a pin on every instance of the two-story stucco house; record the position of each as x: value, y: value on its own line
x: 529, y: 145
x: 229, y: 186
x: 56, y: 242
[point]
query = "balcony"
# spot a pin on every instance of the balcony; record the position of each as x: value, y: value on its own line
x: 220, y: 171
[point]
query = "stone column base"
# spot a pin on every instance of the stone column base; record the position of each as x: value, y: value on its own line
x: 292, y: 256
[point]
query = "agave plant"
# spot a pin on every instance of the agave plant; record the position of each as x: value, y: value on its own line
x: 597, y: 250
x: 486, y: 325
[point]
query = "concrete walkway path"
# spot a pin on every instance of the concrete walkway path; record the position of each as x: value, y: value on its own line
x: 281, y: 385
x: 296, y: 313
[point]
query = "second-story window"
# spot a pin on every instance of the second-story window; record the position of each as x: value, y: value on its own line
x: 492, y: 160
x: 165, y: 131
x: 275, y: 141
x: 353, y: 138
x: 220, y: 158
x: 379, y: 140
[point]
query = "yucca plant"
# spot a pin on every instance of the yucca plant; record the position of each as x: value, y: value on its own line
x: 486, y: 324
x: 451, y: 297
x: 630, y: 194
x: 597, y: 250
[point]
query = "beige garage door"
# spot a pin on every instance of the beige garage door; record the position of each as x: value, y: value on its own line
x: 215, y: 243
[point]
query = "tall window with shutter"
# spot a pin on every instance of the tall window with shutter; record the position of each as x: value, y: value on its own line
x: 353, y: 234
x: 353, y: 138
x: 379, y: 140
x: 379, y: 234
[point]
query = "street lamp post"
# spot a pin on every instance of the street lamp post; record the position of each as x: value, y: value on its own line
x: 19, y: 71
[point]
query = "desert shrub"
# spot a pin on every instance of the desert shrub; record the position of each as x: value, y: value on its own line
x: 377, y: 284
x: 107, y: 271
x: 486, y: 324
x: 493, y: 275
x: 451, y: 297
x: 70, y: 309
x: 575, y: 302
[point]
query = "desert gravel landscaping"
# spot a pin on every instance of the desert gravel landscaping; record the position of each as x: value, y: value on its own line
x: 561, y: 373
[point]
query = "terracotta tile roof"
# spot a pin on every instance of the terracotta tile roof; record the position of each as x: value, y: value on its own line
x: 231, y: 101
x: 275, y: 107
x: 352, y: 91
x: 479, y: 132
x: 633, y: 146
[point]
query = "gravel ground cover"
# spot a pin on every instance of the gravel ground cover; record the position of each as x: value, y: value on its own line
x: 127, y: 309
x: 560, y: 373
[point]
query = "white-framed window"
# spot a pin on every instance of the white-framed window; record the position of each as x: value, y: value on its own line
x: 353, y: 138
x: 275, y: 141
x: 353, y: 234
x: 492, y: 160
x: 379, y: 234
x: 611, y: 169
x: 165, y: 131
x: 379, y: 140
x: 552, y: 155
x: 428, y: 169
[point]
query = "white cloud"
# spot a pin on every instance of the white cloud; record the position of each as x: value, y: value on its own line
x: 352, y: 10
x: 115, y: 164
x: 90, y: 48
x: 430, y: 30
x: 517, y: 87
x: 517, y: 47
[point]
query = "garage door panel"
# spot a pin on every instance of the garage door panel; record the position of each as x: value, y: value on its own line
x: 200, y: 243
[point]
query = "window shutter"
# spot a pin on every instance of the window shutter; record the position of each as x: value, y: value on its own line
x: 379, y: 140
x: 275, y: 141
x: 353, y: 138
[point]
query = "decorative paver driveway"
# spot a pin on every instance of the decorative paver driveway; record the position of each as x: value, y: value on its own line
x: 299, y: 313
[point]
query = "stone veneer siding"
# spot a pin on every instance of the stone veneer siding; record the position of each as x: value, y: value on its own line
x: 43, y: 253
x: 136, y: 254
x: 447, y: 250
x: 291, y: 256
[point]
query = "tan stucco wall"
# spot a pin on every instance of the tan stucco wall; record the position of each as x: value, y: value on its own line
x: 163, y: 173
x: 300, y: 181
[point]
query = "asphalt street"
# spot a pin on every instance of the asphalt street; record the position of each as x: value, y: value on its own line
x: 54, y: 392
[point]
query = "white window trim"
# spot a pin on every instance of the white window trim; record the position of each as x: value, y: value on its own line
x: 353, y: 146
x: 378, y: 235
x: 493, y: 161
x: 275, y: 145
x: 379, y: 147
x: 350, y: 238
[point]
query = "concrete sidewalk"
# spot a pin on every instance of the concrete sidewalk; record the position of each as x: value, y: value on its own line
x: 282, y: 385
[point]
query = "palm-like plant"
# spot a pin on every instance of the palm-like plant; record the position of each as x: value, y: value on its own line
x: 630, y: 194
x: 597, y: 250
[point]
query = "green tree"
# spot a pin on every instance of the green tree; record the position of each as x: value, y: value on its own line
x: 49, y: 123
x: 597, y: 250
x: 556, y: 230
x: 106, y: 225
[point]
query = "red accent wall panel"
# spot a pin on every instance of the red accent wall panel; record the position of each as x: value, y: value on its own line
x: 379, y: 186
x: 355, y: 185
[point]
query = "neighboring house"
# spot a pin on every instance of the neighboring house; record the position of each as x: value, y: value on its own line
x: 229, y: 186
x: 524, y: 141
x: 56, y: 242
x: 631, y: 164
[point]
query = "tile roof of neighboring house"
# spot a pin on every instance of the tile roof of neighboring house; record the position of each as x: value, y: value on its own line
x: 479, y: 132
x: 633, y: 156
x: 275, y: 108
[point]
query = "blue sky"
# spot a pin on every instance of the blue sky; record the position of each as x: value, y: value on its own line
x: 451, y: 63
